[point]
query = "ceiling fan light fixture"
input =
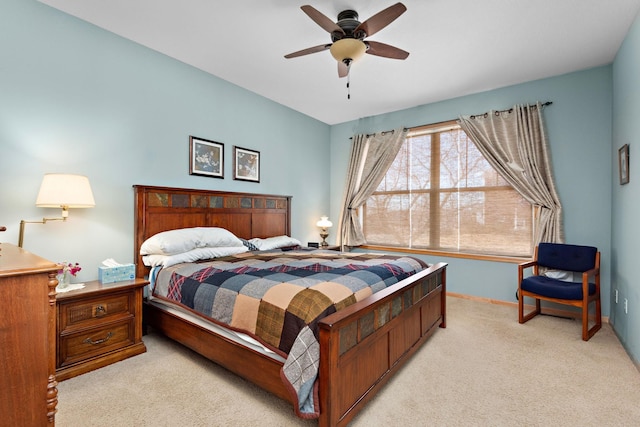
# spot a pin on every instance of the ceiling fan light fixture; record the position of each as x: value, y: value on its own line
x: 348, y: 49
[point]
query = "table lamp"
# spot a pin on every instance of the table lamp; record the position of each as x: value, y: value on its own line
x: 324, y: 223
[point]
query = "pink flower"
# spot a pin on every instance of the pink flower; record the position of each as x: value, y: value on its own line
x: 67, y: 267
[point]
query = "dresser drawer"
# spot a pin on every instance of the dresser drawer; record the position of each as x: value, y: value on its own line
x: 79, y: 346
x: 94, y: 311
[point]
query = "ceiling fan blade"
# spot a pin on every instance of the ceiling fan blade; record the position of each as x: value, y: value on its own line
x: 381, y: 19
x: 343, y: 69
x: 385, y: 50
x: 320, y: 19
x: 309, y: 50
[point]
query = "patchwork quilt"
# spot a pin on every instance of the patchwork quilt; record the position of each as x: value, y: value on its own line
x: 279, y: 297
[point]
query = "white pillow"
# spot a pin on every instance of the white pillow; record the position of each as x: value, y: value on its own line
x: 185, y: 239
x: 191, y: 256
x: 274, y: 242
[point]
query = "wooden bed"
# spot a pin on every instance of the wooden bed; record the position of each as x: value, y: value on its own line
x: 361, y: 346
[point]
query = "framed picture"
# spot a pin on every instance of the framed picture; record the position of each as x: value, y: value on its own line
x: 623, y: 164
x: 206, y: 157
x: 246, y: 164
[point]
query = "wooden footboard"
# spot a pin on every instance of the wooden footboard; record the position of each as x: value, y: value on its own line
x: 362, y: 345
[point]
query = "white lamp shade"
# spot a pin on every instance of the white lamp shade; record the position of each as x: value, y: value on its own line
x: 71, y: 191
x: 348, y: 48
x: 324, y: 222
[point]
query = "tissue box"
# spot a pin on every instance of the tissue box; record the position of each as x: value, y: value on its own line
x: 117, y: 274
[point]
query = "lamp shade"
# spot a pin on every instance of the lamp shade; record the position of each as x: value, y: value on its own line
x: 348, y: 48
x: 324, y: 222
x: 65, y: 190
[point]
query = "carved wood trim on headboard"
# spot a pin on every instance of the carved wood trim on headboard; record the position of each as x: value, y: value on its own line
x: 246, y: 215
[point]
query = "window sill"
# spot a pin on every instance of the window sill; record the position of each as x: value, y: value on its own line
x: 479, y: 257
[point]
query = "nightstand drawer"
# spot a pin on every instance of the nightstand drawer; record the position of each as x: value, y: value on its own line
x: 94, y: 311
x: 83, y: 345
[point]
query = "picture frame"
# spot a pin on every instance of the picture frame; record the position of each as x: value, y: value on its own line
x: 206, y: 157
x: 246, y: 164
x: 623, y: 164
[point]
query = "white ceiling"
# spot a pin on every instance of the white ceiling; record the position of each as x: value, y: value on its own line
x: 457, y: 47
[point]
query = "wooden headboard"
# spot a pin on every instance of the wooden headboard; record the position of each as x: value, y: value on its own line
x: 246, y: 215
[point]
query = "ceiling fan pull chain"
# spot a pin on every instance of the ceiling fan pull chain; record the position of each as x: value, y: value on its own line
x: 349, y: 86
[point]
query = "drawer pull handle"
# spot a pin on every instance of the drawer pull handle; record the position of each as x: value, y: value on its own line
x: 100, y: 311
x: 105, y: 339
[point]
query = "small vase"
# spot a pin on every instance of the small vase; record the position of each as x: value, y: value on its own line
x: 64, y: 279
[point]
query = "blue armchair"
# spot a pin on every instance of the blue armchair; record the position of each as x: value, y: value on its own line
x: 569, y: 259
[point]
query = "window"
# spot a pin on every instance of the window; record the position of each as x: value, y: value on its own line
x: 441, y: 194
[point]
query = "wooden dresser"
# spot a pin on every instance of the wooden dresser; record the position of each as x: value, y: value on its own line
x: 28, y: 393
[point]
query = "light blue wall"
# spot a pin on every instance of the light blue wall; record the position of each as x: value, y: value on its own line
x: 625, y: 234
x: 75, y: 98
x: 579, y: 132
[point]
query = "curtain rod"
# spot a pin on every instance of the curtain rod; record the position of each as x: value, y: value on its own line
x: 509, y: 110
x: 384, y: 132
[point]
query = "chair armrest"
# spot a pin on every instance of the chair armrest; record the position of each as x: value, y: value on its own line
x: 523, y: 266
x: 593, y: 272
x: 527, y: 264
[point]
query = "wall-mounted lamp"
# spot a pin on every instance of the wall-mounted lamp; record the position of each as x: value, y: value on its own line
x: 324, y: 223
x: 59, y: 190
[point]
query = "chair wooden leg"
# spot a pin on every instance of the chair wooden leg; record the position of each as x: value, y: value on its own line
x: 586, y: 332
x: 520, y: 307
x: 585, y: 322
x: 526, y: 317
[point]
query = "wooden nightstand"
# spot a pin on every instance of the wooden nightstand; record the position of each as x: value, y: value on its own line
x: 98, y: 325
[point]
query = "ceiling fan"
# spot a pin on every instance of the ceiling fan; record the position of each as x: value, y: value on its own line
x: 348, y: 36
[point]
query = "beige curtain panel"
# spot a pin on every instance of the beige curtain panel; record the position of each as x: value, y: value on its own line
x: 371, y: 156
x: 515, y: 144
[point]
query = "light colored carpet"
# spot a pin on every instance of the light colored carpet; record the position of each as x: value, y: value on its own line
x: 484, y: 369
